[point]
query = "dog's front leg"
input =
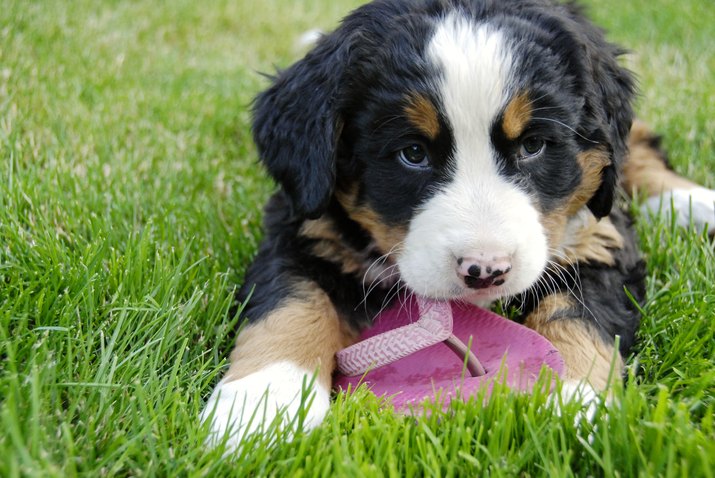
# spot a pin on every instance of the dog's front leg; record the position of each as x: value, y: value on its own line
x: 591, y: 363
x: 281, y: 366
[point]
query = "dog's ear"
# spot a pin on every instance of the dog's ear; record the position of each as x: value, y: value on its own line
x: 609, y: 100
x: 601, y: 202
x: 297, y: 124
x: 615, y: 91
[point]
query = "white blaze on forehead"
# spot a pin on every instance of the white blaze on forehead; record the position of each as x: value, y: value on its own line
x: 479, y: 212
x: 474, y: 62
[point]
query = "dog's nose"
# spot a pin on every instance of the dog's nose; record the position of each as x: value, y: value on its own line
x: 480, y: 271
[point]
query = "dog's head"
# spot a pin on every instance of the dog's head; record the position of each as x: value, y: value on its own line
x: 467, y: 135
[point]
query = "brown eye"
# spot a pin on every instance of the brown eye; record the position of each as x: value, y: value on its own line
x: 531, y: 147
x: 413, y: 156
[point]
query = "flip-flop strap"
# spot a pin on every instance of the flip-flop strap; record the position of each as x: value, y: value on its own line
x: 433, y: 326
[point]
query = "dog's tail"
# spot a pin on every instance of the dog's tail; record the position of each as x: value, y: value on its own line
x: 648, y: 174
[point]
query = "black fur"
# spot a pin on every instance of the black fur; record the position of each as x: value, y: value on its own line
x: 328, y: 124
x: 297, y: 125
x: 284, y: 259
x: 605, y: 296
x: 299, y: 120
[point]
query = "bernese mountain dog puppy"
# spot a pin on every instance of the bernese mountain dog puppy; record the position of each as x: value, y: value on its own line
x: 462, y: 150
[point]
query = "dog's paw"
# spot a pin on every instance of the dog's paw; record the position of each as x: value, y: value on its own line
x: 575, y: 396
x: 588, y: 400
x: 239, y: 408
x: 582, y: 393
x: 696, y: 206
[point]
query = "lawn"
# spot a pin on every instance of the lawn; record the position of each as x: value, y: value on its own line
x: 130, y: 206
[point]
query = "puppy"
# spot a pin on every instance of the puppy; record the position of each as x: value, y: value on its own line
x: 464, y: 150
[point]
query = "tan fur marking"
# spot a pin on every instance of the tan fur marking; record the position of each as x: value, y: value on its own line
x: 592, y: 163
x: 330, y: 247
x: 592, y: 242
x: 423, y: 115
x: 586, y: 356
x: 554, y: 225
x: 589, y: 240
x: 319, y: 229
x: 583, y: 238
x: 644, y: 170
x: 386, y: 237
x: 517, y: 115
x: 304, y: 329
x: 350, y: 263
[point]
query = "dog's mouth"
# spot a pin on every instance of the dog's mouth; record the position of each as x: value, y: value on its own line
x: 458, y: 290
x: 483, y: 297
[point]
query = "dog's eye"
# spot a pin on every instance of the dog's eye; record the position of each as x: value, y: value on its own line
x: 531, y: 147
x: 414, y: 156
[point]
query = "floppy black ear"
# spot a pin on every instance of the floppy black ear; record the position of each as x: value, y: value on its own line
x: 615, y: 89
x: 601, y: 202
x: 296, y: 125
x: 610, y: 101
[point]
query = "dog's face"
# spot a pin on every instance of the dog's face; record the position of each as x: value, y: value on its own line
x: 467, y: 137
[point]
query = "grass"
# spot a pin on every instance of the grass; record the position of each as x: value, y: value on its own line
x: 130, y: 206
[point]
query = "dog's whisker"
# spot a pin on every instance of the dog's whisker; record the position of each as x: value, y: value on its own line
x: 567, y: 127
x: 377, y: 262
x: 571, y: 281
x: 390, y: 296
x: 389, y: 279
x: 390, y: 275
x: 544, y: 108
x: 386, y: 121
x: 385, y: 276
x: 378, y: 278
x: 405, y: 300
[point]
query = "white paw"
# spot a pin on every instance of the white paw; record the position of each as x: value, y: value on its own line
x: 589, y: 400
x: 577, y: 394
x: 249, y: 405
x: 695, y: 205
x: 583, y: 393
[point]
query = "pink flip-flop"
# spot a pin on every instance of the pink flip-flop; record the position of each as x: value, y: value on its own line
x: 420, y: 350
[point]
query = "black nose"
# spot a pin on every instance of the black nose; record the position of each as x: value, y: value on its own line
x: 480, y: 273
